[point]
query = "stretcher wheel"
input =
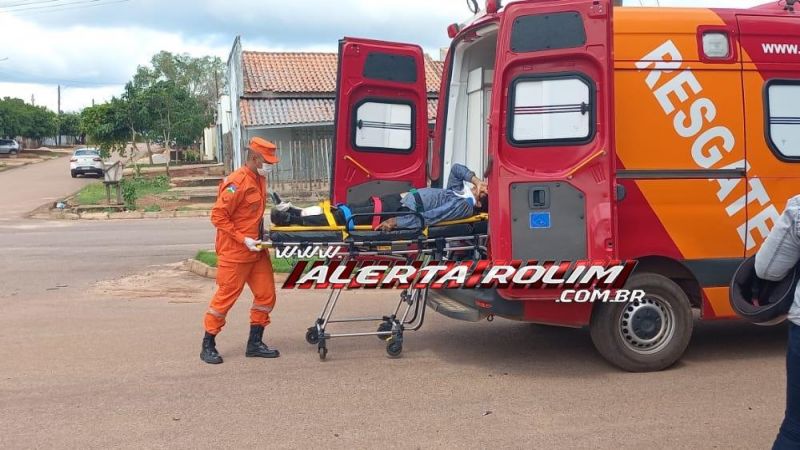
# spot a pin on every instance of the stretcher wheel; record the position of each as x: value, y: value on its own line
x: 312, y: 336
x: 394, y: 349
x: 383, y: 327
x: 323, y: 352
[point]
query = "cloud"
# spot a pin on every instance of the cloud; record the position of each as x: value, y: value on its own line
x: 93, y: 51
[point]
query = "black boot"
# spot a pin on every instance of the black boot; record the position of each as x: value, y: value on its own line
x: 209, y: 353
x: 255, y: 347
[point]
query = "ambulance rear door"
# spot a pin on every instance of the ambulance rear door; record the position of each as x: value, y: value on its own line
x: 381, y: 120
x: 552, y: 164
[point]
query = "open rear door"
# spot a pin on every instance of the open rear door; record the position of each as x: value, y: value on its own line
x: 381, y: 126
x: 553, y: 162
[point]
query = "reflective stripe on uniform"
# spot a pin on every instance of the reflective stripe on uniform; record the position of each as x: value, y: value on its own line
x: 215, y: 313
x: 265, y: 309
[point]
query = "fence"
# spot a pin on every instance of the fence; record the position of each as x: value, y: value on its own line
x: 304, y: 169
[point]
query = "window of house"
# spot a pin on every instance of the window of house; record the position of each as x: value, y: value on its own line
x: 783, y: 117
x: 383, y: 126
x: 551, y: 109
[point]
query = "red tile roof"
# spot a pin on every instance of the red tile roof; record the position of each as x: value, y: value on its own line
x: 297, y: 73
x: 268, y: 112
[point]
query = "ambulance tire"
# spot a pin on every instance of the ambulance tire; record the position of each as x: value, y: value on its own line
x: 648, y: 335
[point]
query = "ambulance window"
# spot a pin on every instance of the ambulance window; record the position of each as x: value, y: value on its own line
x: 551, y: 109
x: 783, y: 115
x: 547, y: 32
x: 383, y: 126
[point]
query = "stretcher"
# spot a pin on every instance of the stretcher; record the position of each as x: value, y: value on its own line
x: 464, y: 239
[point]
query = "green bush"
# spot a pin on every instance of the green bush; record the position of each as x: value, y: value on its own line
x: 136, y: 187
x: 129, y: 195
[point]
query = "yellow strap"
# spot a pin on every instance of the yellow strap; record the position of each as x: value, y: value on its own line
x: 326, y: 209
x: 477, y: 218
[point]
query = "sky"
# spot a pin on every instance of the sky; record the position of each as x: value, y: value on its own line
x: 92, y: 47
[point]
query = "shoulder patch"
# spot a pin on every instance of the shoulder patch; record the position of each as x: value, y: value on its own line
x: 231, y: 188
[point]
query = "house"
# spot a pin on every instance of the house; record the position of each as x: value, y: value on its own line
x: 289, y: 99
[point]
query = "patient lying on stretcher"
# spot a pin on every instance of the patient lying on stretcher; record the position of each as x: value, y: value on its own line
x: 465, y: 196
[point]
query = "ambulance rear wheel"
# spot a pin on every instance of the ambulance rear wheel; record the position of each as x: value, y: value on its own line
x: 644, y: 335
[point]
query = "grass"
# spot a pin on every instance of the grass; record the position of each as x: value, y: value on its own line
x: 92, y: 194
x: 279, y: 265
x: 148, y: 186
x: 95, y: 193
x: 207, y: 257
x: 152, y: 208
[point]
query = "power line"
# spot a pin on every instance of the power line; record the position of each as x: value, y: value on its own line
x: 39, y: 7
x: 32, y: 13
x: 18, y: 3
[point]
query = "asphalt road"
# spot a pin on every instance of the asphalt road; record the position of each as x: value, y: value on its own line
x: 95, y: 358
x: 26, y: 188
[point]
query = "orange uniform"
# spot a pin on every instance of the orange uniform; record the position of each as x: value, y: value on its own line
x: 238, y: 213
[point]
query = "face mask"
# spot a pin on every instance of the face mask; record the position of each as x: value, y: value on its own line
x: 264, y: 170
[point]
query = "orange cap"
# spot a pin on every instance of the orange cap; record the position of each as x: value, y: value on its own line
x: 265, y: 148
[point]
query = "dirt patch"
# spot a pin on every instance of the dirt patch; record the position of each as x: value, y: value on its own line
x: 172, y: 282
x: 165, y: 202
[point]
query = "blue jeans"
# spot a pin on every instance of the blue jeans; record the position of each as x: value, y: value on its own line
x: 789, y: 435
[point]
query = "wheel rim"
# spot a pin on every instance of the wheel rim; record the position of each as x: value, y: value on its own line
x: 646, y: 326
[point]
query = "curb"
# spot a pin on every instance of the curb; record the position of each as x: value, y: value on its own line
x: 125, y: 215
x: 204, y: 270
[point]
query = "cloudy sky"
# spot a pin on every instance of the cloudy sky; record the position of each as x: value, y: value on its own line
x: 92, y: 47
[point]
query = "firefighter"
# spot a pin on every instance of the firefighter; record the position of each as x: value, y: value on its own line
x: 238, y: 216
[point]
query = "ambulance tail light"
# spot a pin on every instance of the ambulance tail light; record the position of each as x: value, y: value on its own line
x: 96, y: 159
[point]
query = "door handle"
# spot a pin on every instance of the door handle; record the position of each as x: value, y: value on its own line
x: 359, y: 165
x: 539, y: 197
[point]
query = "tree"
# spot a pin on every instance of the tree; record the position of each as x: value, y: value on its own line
x: 69, y: 124
x: 199, y: 76
x: 104, y: 126
x: 17, y: 118
x: 172, y: 100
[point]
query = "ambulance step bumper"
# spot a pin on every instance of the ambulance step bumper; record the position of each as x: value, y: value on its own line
x: 451, y: 308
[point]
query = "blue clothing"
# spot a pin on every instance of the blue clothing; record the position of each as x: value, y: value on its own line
x: 440, y: 205
x: 789, y: 435
x: 780, y: 253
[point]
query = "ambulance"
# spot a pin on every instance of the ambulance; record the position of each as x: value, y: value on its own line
x: 668, y: 136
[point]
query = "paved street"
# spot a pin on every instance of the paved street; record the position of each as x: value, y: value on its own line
x: 26, y: 188
x: 101, y: 346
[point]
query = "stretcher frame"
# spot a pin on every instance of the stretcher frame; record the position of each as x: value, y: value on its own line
x: 413, y: 301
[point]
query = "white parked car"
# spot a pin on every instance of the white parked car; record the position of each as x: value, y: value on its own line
x: 9, y: 147
x: 86, y: 160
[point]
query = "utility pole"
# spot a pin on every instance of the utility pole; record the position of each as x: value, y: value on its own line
x: 33, y: 100
x: 58, y: 119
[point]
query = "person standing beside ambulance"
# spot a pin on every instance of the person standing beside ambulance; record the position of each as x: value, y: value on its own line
x: 238, y: 216
x: 776, y: 258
